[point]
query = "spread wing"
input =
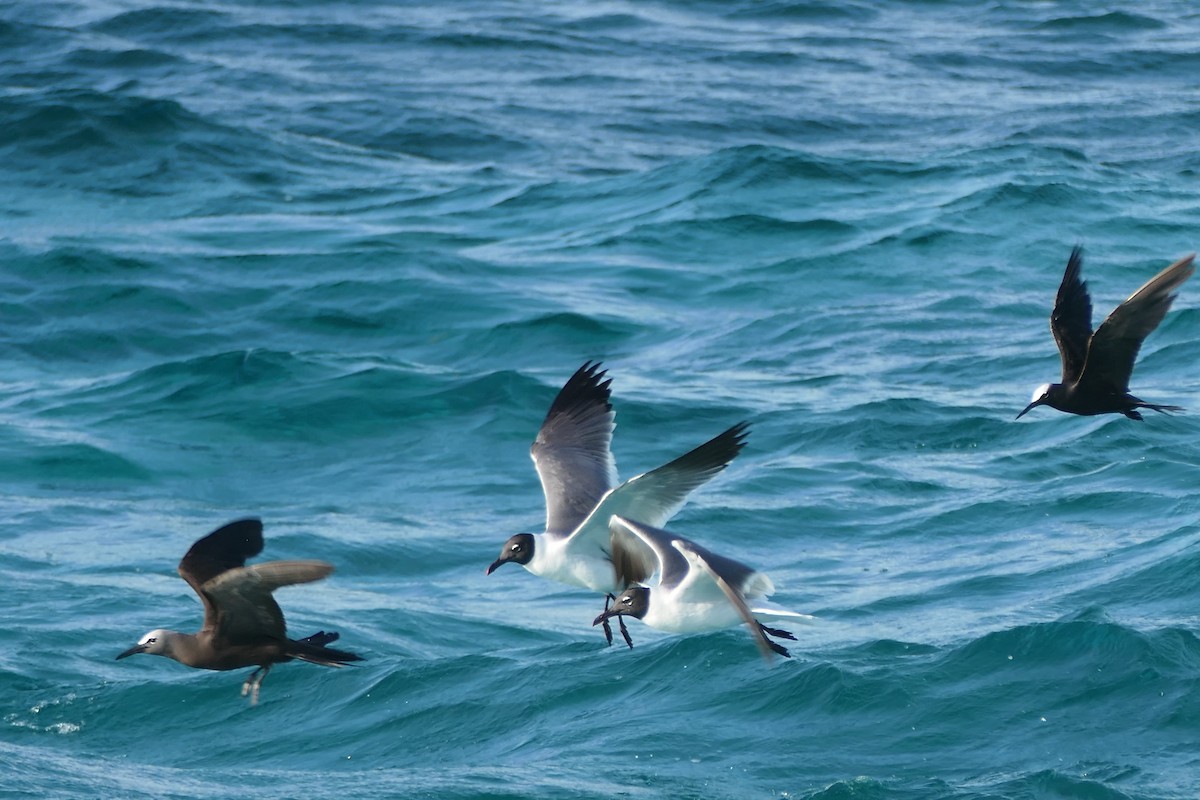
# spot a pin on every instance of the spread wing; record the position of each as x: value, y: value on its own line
x: 245, y: 611
x: 701, y: 561
x: 1116, y: 343
x: 675, y: 571
x: 1071, y: 320
x: 654, y: 497
x: 650, y: 549
x: 700, y: 574
x: 745, y: 580
x: 572, y: 452
x: 224, y: 549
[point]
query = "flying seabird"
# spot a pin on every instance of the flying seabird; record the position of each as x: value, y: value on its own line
x: 573, y: 457
x: 1096, y: 366
x: 243, y: 625
x: 697, y: 589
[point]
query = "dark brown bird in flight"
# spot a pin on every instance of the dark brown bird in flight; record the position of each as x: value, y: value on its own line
x: 1096, y: 366
x: 243, y: 625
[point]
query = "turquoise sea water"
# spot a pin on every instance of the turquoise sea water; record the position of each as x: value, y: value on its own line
x: 327, y: 263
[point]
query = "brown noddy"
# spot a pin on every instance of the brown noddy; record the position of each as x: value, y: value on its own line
x: 243, y: 625
x: 574, y: 461
x: 1096, y: 366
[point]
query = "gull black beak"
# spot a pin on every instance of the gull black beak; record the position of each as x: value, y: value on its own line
x: 133, y: 651
x: 604, y: 617
x: 495, y: 564
x: 1029, y: 408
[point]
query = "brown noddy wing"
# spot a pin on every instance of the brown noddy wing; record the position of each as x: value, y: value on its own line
x: 224, y: 549
x: 1116, y: 343
x: 1071, y: 320
x: 244, y: 608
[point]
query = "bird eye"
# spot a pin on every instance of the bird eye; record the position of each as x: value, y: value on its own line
x: 627, y: 600
x: 516, y: 548
x: 152, y: 640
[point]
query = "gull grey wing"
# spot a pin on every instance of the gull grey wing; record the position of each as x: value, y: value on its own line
x: 654, y: 497
x: 1071, y: 319
x: 700, y: 558
x: 1116, y: 342
x: 745, y: 580
x: 245, y: 611
x: 649, y: 549
x: 224, y: 549
x: 572, y: 452
x: 636, y: 552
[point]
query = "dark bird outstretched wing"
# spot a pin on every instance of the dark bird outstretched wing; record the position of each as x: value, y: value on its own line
x: 1071, y: 320
x: 224, y: 549
x: 572, y: 452
x: 1116, y: 343
x: 245, y: 611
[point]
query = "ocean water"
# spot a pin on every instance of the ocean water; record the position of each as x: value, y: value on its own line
x: 327, y: 263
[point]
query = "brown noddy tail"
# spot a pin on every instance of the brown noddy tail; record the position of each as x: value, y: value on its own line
x: 312, y: 648
x: 1161, y: 408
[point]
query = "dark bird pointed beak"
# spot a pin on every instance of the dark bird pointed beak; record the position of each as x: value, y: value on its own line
x: 604, y: 616
x: 1029, y: 408
x: 495, y: 564
x: 133, y: 651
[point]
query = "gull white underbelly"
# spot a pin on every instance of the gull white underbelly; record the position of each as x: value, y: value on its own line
x: 583, y: 568
x: 691, y: 617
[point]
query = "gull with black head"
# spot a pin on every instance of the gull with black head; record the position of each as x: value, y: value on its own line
x: 243, y: 625
x: 697, y: 590
x: 574, y: 461
x: 1096, y: 367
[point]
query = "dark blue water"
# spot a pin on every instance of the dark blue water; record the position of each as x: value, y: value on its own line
x: 328, y: 263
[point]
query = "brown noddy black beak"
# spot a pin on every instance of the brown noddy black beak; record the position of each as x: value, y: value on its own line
x: 1029, y: 408
x: 133, y: 651
x: 604, y: 616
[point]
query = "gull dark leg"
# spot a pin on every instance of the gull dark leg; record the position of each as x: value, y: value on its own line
x: 625, y: 632
x: 776, y: 632
x: 769, y: 632
x: 778, y: 648
x: 608, y: 598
